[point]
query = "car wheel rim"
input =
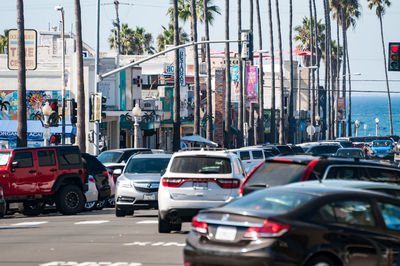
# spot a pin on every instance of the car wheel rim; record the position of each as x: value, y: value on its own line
x: 321, y: 264
x: 72, y: 200
x: 90, y: 205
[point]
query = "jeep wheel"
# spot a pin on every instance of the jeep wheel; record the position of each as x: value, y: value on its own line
x: 164, y: 227
x: 70, y: 200
x: 34, y: 208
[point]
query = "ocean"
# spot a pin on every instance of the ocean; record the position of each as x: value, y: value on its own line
x: 367, y: 108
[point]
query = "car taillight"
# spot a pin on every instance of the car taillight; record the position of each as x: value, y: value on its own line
x: 172, y: 182
x: 200, y: 227
x: 268, y: 229
x: 228, y: 183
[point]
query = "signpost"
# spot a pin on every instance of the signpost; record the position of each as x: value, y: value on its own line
x: 30, y: 49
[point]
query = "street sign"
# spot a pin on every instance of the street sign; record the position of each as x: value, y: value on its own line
x: 30, y: 49
x: 311, y: 130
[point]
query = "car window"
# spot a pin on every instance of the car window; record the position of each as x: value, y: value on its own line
x: 268, y: 154
x: 284, y: 149
x: 146, y: 165
x: 4, y: 157
x: 345, y: 172
x: 257, y: 155
x: 264, y: 200
x: 109, y: 157
x: 46, y: 158
x: 275, y: 174
x: 350, y: 212
x: 69, y: 158
x: 244, y: 155
x: 24, y: 159
x: 383, y: 175
x: 323, y: 149
x: 201, y: 164
x: 390, y: 214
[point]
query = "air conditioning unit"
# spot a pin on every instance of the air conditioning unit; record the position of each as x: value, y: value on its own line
x: 149, y: 105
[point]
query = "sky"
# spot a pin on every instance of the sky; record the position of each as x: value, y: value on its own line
x: 365, y: 47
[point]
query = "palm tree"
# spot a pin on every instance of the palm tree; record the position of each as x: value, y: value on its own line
x: 227, y: 115
x: 81, y: 132
x: 282, y: 113
x: 271, y: 38
x: 261, y: 80
x: 136, y: 41
x: 184, y: 12
x: 22, y: 124
x: 167, y: 37
x: 177, y: 95
x: 208, y: 66
x: 3, y: 41
x: 381, y: 6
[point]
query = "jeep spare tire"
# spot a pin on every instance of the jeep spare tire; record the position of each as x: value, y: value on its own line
x: 70, y: 200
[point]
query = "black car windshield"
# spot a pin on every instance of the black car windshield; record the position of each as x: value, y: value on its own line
x: 276, y: 173
x: 273, y: 201
x: 323, y: 149
x: 146, y: 165
x: 4, y: 157
x: 110, y: 157
x: 350, y: 153
x: 201, y: 164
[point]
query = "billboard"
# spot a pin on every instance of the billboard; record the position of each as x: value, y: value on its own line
x: 30, y: 49
x: 252, y: 83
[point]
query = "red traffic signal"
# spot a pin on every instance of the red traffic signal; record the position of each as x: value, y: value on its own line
x: 395, y: 48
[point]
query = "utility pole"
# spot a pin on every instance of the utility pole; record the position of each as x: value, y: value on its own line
x: 96, y: 70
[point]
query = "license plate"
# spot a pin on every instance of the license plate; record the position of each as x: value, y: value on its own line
x: 225, y: 233
x: 200, y: 185
x: 149, y: 197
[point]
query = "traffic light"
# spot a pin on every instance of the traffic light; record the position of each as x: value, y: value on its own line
x: 73, y: 111
x: 97, y: 107
x: 55, y: 139
x: 394, y: 56
x: 53, y: 119
x: 103, y: 107
x: 247, y: 45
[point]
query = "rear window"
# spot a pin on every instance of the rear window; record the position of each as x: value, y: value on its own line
x: 275, y: 174
x: 284, y: 149
x: 146, y: 165
x: 109, y: 157
x: 323, y: 149
x: 244, y: 155
x: 258, y: 155
x: 274, y: 201
x: 201, y: 164
x: 4, y: 157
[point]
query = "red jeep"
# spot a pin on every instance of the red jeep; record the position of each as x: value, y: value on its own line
x: 34, y: 177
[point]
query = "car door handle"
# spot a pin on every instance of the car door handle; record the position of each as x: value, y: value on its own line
x: 32, y: 171
x: 53, y: 170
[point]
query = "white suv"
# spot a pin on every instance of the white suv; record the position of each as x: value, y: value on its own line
x: 196, y: 180
x: 138, y: 185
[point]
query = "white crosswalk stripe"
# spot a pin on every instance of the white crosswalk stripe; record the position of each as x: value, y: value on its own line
x: 29, y: 223
x: 147, y: 222
x: 90, y: 263
x: 93, y: 222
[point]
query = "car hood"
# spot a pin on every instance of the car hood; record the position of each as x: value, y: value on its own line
x: 110, y: 165
x: 142, y: 177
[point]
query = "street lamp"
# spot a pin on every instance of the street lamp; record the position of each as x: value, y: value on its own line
x: 61, y: 9
x: 377, y: 127
x: 136, y: 113
x: 46, y: 111
x: 357, y: 124
x: 318, y: 128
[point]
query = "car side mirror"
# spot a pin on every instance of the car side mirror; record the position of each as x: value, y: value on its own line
x: 117, y: 172
x: 14, y: 165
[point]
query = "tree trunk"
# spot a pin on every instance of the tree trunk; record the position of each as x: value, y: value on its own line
x: 312, y: 64
x: 282, y: 113
x: 227, y: 115
x: 260, y: 123
x: 81, y: 123
x: 241, y: 110
x: 252, y: 23
x: 386, y: 76
x: 330, y: 64
x: 273, y: 106
x: 337, y: 92
x: 291, y: 120
x: 196, y: 71
x: 349, y: 101
x: 327, y: 72
x: 208, y: 63
x: 317, y: 61
x: 344, y: 68
x: 251, y: 62
x: 177, y: 93
x: 21, y: 111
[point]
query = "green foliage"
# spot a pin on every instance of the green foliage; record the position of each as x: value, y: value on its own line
x: 136, y: 41
x: 184, y: 12
x: 3, y: 41
x: 352, y: 11
x: 380, y: 6
x: 167, y: 37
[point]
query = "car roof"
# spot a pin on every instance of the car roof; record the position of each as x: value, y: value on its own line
x: 349, y: 149
x: 224, y: 153
x: 152, y: 155
x: 43, y: 147
x: 128, y: 149
x: 360, y: 184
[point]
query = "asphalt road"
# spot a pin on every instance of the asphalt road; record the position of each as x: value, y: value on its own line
x: 90, y: 238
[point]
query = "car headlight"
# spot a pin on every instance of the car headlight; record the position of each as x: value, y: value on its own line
x: 124, y: 183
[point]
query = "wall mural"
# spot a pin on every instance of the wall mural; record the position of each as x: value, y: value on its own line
x: 35, y: 99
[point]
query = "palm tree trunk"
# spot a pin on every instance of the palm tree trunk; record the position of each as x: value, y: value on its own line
x: 344, y: 68
x: 196, y: 71
x: 252, y: 24
x: 241, y: 110
x: 291, y: 109
x: 317, y: 59
x: 177, y: 92
x: 282, y: 113
x: 349, y: 101
x: 81, y: 122
x: 330, y: 73
x: 22, y: 124
x: 327, y: 71
x: 312, y: 64
x: 261, y: 80
x: 251, y: 62
x: 386, y: 76
x: 273, y: 106
x: 227, y: 115
x: 208, y: 63
x: 337, y: 79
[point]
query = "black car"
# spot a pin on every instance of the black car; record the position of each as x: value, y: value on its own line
x: 100, y: 174
x: 2, y: 203
x: 282, y: 170
x: 303, y: 226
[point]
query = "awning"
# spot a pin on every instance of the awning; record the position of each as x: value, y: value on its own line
x: 8, y: 130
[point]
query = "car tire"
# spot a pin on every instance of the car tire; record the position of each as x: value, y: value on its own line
x: 131, y: 213
x: 321, y: 261
x: 176, y: 227
x: 70, y: 200
x: 164, y: 227
x: 32, y: 208
x: 119, y: 212
x: 100, y: 204
x: 111, y: 202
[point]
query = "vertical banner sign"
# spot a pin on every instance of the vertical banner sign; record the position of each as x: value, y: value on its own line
x: 30, y: 49
x: 252, y: 83
x: 341, y: 108
x: 182, y: 67
x: 235, y: 93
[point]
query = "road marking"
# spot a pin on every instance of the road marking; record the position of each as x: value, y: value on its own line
x: 154, y: 244
x: 89, y: 263
x: 148, y: 222
x: 29, y: 223
x: 93, y: 222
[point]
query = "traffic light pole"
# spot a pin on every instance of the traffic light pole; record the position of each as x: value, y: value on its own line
x: 96, y: 67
